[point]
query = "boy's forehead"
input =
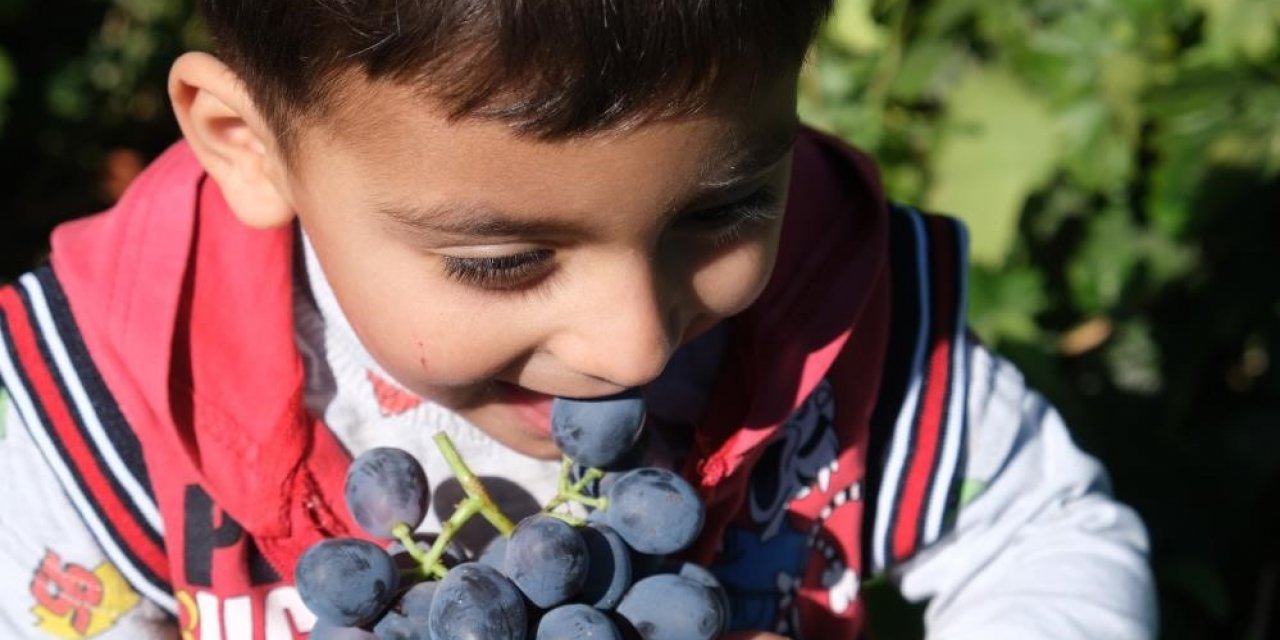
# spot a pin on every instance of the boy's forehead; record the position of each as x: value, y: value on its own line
x: 413, y: 167
x: 384, y: 122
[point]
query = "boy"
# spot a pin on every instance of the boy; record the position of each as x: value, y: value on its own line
x: 391, y: 218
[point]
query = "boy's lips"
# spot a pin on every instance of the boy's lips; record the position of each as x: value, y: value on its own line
x: 534, y: 407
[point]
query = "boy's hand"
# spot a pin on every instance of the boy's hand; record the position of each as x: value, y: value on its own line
x: 753, y: 635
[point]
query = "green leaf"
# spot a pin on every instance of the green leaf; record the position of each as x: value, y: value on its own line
x: 1209, y: 117
x: 852, y: 27
x: 1096, y: 156
x: 1247, y: 29
x: 8, y: 75
x: 999, y: 144
x: 8, y: 80
x: 1003, y: 304
x: 1100, y: 268
x: 926, y: 69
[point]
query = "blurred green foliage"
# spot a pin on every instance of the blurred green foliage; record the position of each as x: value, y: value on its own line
x: 1117, y: 162
x: 1118, y: 165
x: 78, y: 80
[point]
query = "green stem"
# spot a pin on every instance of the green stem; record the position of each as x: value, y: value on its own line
x: 573, y: 492
x: 449, y: 529
x: 404, y: 535
x: 425, y: 565
x: 563, y: 489
x: 566, y: 468
x: 474, y: 488
x: 587, y: 478
x: 599, y: 504
x: 569, y: 518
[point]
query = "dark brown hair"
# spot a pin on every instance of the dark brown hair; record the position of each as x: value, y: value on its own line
x: 551, y: 68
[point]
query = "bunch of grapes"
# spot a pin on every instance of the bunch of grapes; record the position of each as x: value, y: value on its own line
x: 553, y: 576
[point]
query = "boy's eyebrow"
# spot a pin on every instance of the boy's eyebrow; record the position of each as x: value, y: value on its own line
x: 476, y: 220
x: 754, y: 159
x: 471, y: 219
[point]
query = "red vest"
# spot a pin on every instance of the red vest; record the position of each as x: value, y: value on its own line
x: 157, y: 358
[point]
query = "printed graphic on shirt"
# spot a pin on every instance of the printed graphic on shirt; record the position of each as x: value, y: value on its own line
x: 74, y: 602
x: 970, y: 489
x: 202, y: 614
x: 208, y: 530
x: 188, y: 615
x: 392, y: 400
x: 796, y: 488
x: 217, y: 548
x: 64, y: 404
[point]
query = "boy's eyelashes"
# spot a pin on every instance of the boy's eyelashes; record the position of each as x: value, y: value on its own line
x: 728, y: 222
x: 502, y: 272
x: 720, y: 225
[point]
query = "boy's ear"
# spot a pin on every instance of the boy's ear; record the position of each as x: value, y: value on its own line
x: 230, y: 139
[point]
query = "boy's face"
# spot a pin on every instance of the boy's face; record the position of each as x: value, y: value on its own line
x: 489, y: 272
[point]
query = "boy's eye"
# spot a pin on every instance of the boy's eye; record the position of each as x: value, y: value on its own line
x: 727, y: 223
x: 502, y: 272
x: 723, y: 225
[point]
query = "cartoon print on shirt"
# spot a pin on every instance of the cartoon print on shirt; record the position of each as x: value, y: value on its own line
x: 759, y: 575
x: 73, y: 602
x: 764, y: 566
x: 188, y: 615
x: 805, y: 451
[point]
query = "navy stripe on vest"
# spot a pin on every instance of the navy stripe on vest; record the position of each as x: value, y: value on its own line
x: 64, y: 403
x: 916, y: 446
x: 114, y: 427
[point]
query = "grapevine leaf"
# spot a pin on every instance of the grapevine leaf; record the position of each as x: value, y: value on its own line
x: 1101, y: 267
x: 999, y: 144
x: 1003, y: 304
x: 852, y: 27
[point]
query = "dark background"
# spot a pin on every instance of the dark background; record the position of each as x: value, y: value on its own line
x: 1118, y: 164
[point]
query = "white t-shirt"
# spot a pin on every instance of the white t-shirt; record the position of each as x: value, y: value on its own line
x: 1038, y: 549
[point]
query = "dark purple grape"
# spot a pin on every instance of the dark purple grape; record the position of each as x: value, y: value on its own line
x: 574, y: 622
x: 394, y: 626
x: 408, y: 619
x: 495, y: 553
x: 385, y: 487
x: 654, y: 510
x: 474, y: 602
x: 597, y: 432
x: 346, y: 582
x: 415, y: 604
x: 671, y: 607
x: 547, y: 558
x: 704, y: 577
x: 608, y: 567
x: 325, y: 631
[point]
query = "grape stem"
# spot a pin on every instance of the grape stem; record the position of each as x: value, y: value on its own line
x: 573, y: 492
x: 476, y: 492
x: 572, y: 520
x: 449, y: 529
x: 427, y: 566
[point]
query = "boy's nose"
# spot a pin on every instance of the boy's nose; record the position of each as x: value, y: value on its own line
x: 625, y: 333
